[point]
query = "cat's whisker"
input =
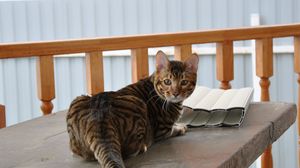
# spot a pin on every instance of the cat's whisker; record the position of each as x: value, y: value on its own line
x: 167, y: 106
x: 155, y: 95
x: 153, y: 90
x: 163, y: 105
x: 157, y: 99
x: 152, y: 98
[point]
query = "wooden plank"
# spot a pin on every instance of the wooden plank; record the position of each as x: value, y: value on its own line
x: 45, y: 82
x: 139, y: 63
x: 94, y: 72
x: 182, y: 52
x: 2, y: 117
x: 224, y: 63
x: 264, y: 69
x: 47, y: 143
x: 12, y: 50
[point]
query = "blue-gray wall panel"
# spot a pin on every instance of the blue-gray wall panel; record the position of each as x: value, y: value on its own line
x: 61, y: 19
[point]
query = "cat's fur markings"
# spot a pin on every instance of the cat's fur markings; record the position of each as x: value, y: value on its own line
x: 112, y: 126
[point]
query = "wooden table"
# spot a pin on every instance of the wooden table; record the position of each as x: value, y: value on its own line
x: 43, y: 142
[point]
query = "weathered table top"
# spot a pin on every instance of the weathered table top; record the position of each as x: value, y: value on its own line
x: 43, y: 142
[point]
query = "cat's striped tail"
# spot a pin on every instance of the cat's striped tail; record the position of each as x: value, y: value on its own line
x: 107, y: 154
x: 102, y: 138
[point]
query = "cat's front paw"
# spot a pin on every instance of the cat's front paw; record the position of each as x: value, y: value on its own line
x: 179, y: 129
x: 183, y: 129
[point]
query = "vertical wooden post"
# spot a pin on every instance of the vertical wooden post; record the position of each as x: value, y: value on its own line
x: 182, y: 52
x: 297, y: 70
x: 45, y: 82
x: 224, y: 63
x: 264, y: 70
x: 139, y: 63
x: 94, y: 72
x: 2, y: 117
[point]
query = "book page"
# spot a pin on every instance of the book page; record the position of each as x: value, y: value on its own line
x: 242, y: 98
x: 199, y: 93
x: 217, y: 118
x: 234, y: 117
x: 210, y: 99
x: 187, y: 116
x: 225, y: 99
x: 201, y: 119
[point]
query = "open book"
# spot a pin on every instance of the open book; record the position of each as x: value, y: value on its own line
x: 216, y: 107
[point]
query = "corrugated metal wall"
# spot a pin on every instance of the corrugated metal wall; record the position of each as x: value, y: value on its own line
x: 61, y: 19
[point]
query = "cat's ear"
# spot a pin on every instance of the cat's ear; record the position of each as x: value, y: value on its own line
x: 192, y: 63
x: 162, y: 60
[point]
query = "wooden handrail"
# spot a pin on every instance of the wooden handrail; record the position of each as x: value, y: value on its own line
x: 27, y: 49
x: 2, y: 117
x: 139, y: 45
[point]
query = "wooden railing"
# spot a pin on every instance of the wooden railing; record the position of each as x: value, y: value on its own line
x: 139, y: 48
x: 2, y: 116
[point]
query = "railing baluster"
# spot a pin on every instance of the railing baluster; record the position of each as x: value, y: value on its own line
x: 297, y: 70
x: 224, y: 63
x: 45, y: 82
x: 182, y: 52
x: 139, y: 63
x: 94, y: 72
x: 264, y: 70
x: 2, y: 117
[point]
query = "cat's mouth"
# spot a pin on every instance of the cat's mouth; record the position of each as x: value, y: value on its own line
x: 173, y: 99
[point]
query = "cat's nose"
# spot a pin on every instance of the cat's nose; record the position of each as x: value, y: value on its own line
x: 175, y: 94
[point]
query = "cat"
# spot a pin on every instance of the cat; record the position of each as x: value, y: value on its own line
x: 112, y: 126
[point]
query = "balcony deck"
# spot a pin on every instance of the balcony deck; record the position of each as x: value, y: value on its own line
x: 43, y: 142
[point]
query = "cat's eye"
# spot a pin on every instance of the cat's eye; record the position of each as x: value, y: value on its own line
x: 184, y: 82
x: 167, y: 82
x: 140, y: 136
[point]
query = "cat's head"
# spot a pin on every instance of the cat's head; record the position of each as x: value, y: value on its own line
x: 174, y: 81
